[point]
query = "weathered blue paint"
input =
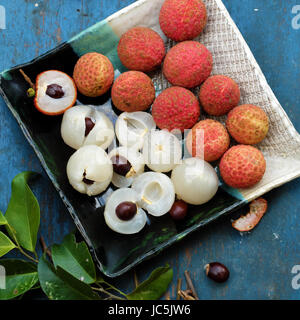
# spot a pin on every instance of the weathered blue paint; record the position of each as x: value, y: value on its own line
x: 260, y: 262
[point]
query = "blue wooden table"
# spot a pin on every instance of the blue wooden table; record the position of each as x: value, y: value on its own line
x: 260, y: 262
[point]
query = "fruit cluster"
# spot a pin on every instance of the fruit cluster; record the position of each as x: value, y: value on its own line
x: 187, y: 65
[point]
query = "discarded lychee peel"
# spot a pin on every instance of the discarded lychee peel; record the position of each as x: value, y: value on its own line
x: 258, y: 208
x: 37, y: 101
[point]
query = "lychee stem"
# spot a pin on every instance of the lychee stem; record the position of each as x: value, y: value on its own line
x: 27, y: 79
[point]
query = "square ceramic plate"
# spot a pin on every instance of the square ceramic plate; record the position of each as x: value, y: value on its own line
x: 116, y: 253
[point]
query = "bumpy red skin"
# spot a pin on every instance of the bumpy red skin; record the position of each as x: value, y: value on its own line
x: 248, y: 124
x: 242, y: 166
x: 182, y: 19
x: 258, y: 208
x: 176, y: 108
x: 133, y: 91
x: 215, y: 140
x: 188, y: 64
x: 93, y: 74
x: 219, y: 94
x: 141, y: 49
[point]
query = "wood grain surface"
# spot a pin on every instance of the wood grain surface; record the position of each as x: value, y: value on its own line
x: 261, y: 261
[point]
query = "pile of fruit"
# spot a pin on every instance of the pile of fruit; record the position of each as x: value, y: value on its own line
x: 172, y: 181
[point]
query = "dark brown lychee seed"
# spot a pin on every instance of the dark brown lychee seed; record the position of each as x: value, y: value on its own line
x: 89, y: 125
x: 179, y: 210
x: 55, y: 91
x: 217, y: 271
x: 126, y: 210
x: 121, y: 165
x: 87, y: 181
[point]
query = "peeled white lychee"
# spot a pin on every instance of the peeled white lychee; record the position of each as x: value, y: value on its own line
x: 85, y: 125
x: 55, y: 92
x: 162, y: 150
x: 90, y: 170
x: 195, y: 181
x: 131, y: 226
x: 127, y: 164
x: 131, y: 128
x: 156, y: 192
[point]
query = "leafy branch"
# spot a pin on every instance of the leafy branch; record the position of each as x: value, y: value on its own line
x: 65, y: 271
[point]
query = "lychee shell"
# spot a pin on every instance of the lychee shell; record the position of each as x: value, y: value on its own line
x: 133, y: 91
x: 247, y: 124
x: 182, y: 19
x: 242, y: 166
x: 141, y: 49
x: 215, y: 140
x: 176, y: 108
x: 219, y: 94
x: 93, y: 74
x: 188, y: 64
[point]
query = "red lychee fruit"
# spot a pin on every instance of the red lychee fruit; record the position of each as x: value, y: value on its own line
x: 208, y: 140
x: 219, y: 94
x: 133, y: 91
x: 248, y: 124
x: 93, y: 74
x: 176, y: 108
x: 182, y: 19
x: 242, y: 166
x: 188, y: 64
x: 141, y: 49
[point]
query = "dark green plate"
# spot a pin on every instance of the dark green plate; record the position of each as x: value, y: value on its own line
x: 114, y: 253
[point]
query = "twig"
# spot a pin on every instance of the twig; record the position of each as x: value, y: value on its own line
x: 110, y: 295
x: 179, y: 281
x: 185, y: 296
x: 45, y: 248
x: 190, y: 284
x: 136, y: 280
x: 27, y: 79
x: 18, y: 245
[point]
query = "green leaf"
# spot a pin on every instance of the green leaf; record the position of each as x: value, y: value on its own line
x: 23, y: 212
x: 3, y: 221
x: 58, y: 284
x: 74, y: 258
x: 5, y: 244
x: 154, y: 287
x: 20, y: 277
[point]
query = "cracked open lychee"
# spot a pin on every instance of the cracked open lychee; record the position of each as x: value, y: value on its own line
x: 89, y: 170
x: 156, y: 192
x: 85, y: 125
x: 132, y: 127
x: 162, y: 150
x: 195, y: 181
x: 127, y: 164
x: 122, y: 213
x: 55, y: 92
